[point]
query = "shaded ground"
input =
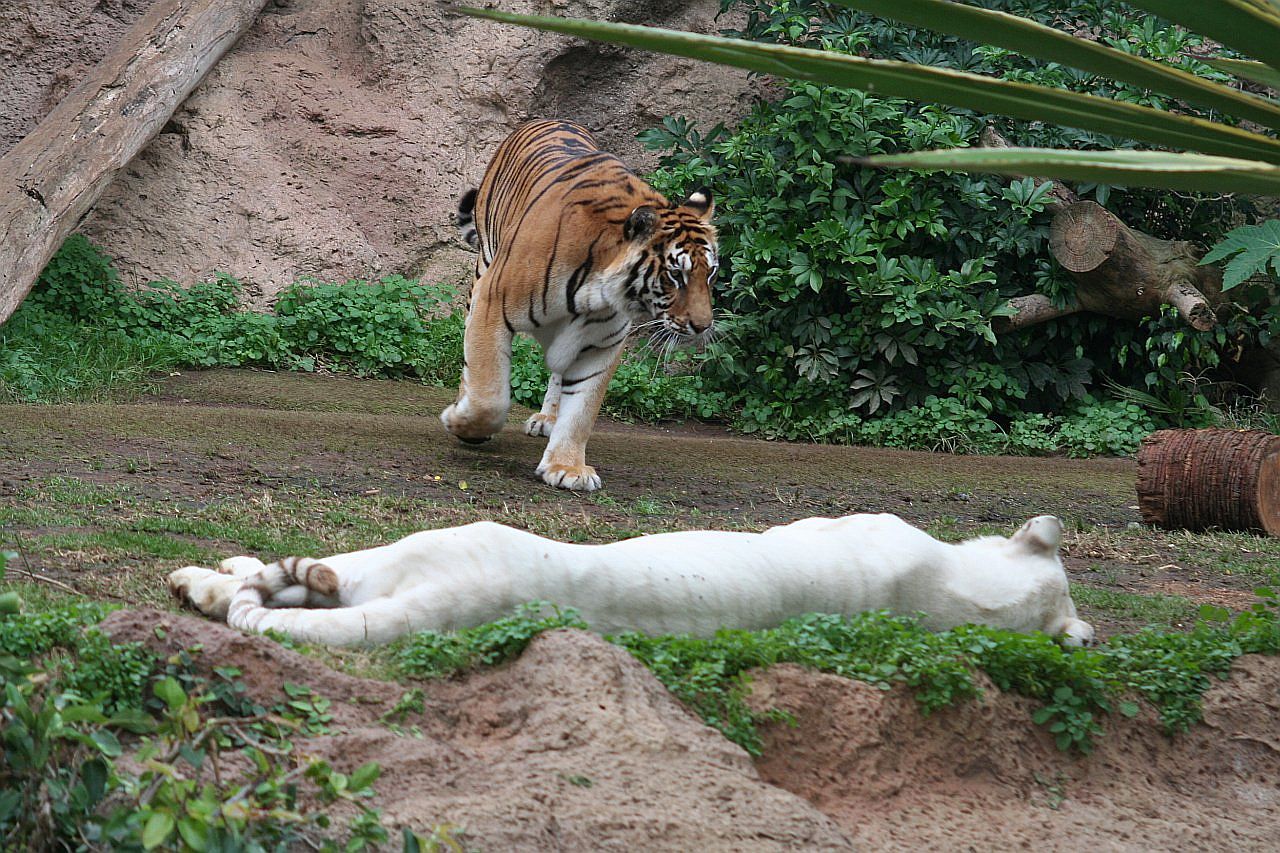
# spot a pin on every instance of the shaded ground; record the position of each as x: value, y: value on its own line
x: 106, y: 499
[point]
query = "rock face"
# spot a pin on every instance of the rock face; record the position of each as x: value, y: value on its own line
x: 335, y: 138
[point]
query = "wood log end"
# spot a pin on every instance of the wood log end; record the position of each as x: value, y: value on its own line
x: 1193, y: 306
x: 1269, y: 493
x: 1082, y: 236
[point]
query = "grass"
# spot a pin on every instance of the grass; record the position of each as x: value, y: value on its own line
x: 1160, y: 610
x: 77, y: 364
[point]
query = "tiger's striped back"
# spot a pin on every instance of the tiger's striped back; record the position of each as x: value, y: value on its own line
x: 551, y: 197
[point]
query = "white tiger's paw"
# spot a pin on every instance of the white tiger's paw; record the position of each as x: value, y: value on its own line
x: 539, y: 425
x: 205, y: 590
x: 241, y: 567
x: 1077, y: 633
x: 578, y: 478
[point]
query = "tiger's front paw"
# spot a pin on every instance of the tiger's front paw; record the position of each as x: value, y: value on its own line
x: 578, y: 478
x: 539, y: 425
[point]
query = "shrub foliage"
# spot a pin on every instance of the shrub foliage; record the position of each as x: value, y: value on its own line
x: 72, y: 703
x: 863, y: 300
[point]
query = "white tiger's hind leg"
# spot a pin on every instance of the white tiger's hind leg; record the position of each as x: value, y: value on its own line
x: 542, y: 423
x: 292, y: 582
x: 241, y: 567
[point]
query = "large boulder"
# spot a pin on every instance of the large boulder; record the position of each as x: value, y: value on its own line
x: 335, y: 138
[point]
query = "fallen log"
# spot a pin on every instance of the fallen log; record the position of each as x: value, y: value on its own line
x: 1119, y: 272
x: 51, y: 179
x: 1124, y: 273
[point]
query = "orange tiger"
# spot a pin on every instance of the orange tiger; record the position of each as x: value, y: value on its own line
x: 575, y: 250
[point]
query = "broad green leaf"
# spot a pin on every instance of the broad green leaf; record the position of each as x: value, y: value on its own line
x: 1249, y: 26
x: 94, y: 774
x: 1167, y: 170
x: 171, y: 692
x: 365, y: 776
x: 1034, y: 39
x: 83, y: 714
x: 9, y: 804
x: 106, y: 742
x: 1255, y: 71
x: 1255, y: 247
x: 133, y: 720
x: 906, y: 80
x: 194, y: 833
x: 157, y: 830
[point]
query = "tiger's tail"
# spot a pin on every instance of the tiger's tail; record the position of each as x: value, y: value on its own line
x: 312, y: 575
x: 467, y: 219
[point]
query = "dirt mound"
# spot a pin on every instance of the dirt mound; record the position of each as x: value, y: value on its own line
x: 980, y: 776
x: 576, y: 746
x: 573, y: 746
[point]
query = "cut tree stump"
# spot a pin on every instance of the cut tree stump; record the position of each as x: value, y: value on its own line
x: 51, y: 179
x: 1204, y: 478
x: 1119, y: 272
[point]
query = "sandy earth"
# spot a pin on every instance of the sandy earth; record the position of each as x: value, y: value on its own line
x: 576, y: 746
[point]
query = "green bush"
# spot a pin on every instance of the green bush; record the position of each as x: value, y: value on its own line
x: 82, y: 335
x: 863, y: 300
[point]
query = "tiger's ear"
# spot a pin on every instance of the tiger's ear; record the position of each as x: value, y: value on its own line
x: 700, y: 200
x: 1040, y: 535
x: 640, y: 223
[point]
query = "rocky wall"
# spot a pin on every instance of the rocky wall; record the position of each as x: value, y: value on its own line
x: 334, y: 140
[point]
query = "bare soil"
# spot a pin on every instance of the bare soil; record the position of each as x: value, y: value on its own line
x: 576, y: 746
x: 975, y: 776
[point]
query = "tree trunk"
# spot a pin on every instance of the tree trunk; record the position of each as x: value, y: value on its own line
x: 51, y: 179
x: 1119, y: 272
x: 1124, y: 273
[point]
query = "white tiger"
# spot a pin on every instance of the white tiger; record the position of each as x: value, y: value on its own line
x: 686, y: 582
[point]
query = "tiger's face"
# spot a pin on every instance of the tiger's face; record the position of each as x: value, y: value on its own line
x: 671, y: 279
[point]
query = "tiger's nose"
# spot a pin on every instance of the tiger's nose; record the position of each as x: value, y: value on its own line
x: 699, y: 326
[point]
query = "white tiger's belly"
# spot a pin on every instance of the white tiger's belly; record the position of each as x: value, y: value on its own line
x: 688, y: 582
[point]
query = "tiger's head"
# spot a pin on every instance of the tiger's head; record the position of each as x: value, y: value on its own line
x: 671, y: 278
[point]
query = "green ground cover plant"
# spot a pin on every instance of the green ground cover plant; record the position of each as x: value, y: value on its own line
x: 1077, y: 688
x: 83, y: 336
x: 72, y: 703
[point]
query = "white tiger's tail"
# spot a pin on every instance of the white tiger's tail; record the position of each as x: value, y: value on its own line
x: 313, y: 576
